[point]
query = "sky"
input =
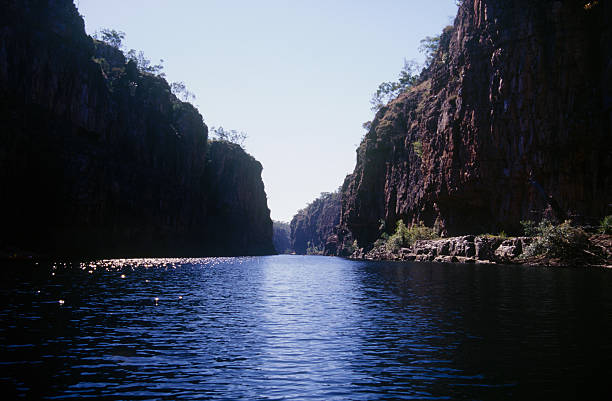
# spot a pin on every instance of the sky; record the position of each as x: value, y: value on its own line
x: 296, y: 76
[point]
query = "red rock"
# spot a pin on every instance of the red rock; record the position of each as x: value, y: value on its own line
x: 514, y: 120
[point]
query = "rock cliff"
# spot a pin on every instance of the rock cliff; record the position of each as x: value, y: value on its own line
x: 512, y: 121
x: 282, y: 237
x: 238, y: 220
x: 98, y: 158
x: 314, y: 225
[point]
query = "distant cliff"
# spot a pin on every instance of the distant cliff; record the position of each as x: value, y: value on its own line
x: 98, y: 158
x: 282, y: 237
x: 314, y: 225
x: 512, y: 121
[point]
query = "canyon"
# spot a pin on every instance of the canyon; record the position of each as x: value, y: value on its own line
x: 511, y: 121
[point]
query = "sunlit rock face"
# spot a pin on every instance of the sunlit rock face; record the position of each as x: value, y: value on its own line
x: 99, y: 159
x: 315, y: 224
x: 512, y: 121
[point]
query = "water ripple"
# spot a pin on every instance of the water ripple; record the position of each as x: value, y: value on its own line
x: 292, y: 327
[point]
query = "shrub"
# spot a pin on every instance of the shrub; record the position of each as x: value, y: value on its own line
x: 529, y: 228
x: 404, y: 236
x: 379, y: 242
x: 312, y: 249
x: 417, y: 146
x: 420, y: 231
x: 605, y: 227
x: 394, y: 243
x: 111, y: 37
x: 382, y: 241
x: 502, y: 234
x: 557, y: 241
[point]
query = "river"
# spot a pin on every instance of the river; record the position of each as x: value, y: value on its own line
x: 303, y: 327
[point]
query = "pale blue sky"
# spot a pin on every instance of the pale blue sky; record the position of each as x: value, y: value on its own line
x: 296, y: 76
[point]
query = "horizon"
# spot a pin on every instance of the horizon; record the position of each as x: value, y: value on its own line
x: 292, y: 108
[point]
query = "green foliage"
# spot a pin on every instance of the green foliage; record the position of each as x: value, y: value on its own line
x: 237, y: 137
x: 417, y: 146
x: 429, y: 47
x: 605, y: 226
x: 529, y: 228
x: 312, y: 249
x: 405, y: 237
x: 557, y: 241
x: 350, y: 249
x: 379, y: 242
x: 382, y: 241
x: 115, y: 39
x: 111, y: 37
x: 179, y: 89
x: 501, y: 234
x: 144, y: 64
x: 409, y: 75
x: 388, y: 91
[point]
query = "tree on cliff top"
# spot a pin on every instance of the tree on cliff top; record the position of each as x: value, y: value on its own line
x: 115, y: 38
x: 388, y: 91
x: 408, y: 77
x: 111, y: 37
x: 237, y: 137
x: 179, y: 89
x: 429, y: 47
x: 144, y: 64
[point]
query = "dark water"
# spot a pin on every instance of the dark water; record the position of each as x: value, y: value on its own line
x: 292, y: 327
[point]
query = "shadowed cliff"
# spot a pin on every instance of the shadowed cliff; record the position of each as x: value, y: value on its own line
x: 282, y: 237
x: 313, y: 226
x: 98, y: 158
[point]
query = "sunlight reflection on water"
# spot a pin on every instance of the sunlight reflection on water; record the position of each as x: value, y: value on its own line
x: 301, y: 327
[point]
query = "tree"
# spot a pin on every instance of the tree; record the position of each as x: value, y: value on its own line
x: 388, y: 91
x: 237, y: 137
x: 408, y: 77
x: 144, y: 64
x: 179, y: 89
x: 111, y: 37
x: 429, y: 47
x: 115, y: 38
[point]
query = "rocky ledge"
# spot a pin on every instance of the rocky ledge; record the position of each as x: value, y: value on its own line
x: 490, y: 249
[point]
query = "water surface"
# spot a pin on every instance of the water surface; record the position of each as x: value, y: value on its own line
x: 303, y: 327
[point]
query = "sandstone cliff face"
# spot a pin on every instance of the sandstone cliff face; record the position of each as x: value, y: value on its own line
x: 315, y: 224
x: 512, y: 121
x: 99, y: 159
